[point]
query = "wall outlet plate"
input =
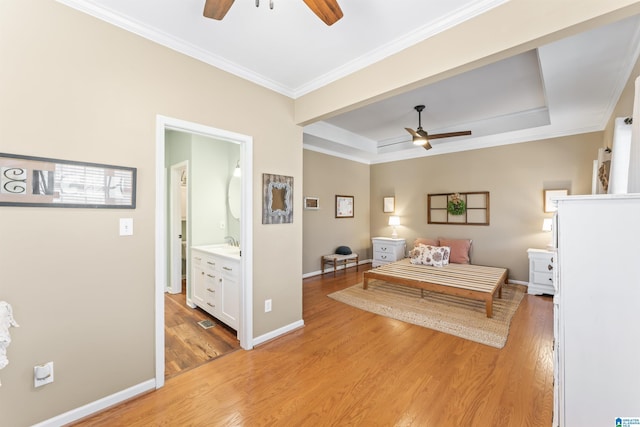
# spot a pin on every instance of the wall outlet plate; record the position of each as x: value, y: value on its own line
x: 267, y: 305
x: 42, y: 374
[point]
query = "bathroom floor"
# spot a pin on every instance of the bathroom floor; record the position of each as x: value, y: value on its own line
x: 188, y: 344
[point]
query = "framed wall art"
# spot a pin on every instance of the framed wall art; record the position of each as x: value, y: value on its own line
x: 277, y: 199
x: 388, y: 204
x: 469, y: 208
x: 312, y: 203
x: 43, y: 182
x: 344, y: 206
x: 548, y: 194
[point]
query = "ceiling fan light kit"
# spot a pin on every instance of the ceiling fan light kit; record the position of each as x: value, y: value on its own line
x: 421, y: 137
x: 327, y: 10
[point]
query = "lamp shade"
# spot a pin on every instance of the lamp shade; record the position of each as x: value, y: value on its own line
x: 394, y: 220
x: 547, y: 224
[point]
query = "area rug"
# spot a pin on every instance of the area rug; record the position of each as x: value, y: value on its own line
x: 462, y: 317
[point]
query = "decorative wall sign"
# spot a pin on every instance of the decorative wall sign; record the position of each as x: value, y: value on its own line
x: 471, y: 208
x: 388, y: 204
x: 43, y: 182
x: 344, y: 206
x: 277, y: 199
x: 312, y: 203
x: 548, y: 194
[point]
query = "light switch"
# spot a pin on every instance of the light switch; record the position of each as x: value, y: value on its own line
x: 126, y: 226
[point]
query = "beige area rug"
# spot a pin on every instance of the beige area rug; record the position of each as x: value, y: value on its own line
x: 462, y: 317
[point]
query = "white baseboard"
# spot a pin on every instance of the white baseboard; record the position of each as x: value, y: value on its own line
x: 98, y: 405
x: 330, y: 269
x: 280, y: 331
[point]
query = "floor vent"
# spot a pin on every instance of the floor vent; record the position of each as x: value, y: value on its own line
x: 206, y: 324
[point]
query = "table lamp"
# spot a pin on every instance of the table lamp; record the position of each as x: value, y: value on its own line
x: 394, y: 221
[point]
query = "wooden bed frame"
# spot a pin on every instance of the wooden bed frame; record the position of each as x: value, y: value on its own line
x: 465, y: 280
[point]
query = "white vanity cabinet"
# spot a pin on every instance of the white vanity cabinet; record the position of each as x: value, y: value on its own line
x: 386, y: 250
x: 215, y: 284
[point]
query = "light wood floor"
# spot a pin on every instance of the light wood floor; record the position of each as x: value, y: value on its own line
x: 351, y: 367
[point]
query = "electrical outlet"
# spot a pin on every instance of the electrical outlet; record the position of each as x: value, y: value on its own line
x: 42, y: 374
x: 267, y: 305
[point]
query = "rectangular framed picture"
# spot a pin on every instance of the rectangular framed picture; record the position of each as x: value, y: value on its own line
x: 42, y: 182
x: 344, y: 206
x: 312, y: 203
x: 548, y: 195
x: 389, y: 204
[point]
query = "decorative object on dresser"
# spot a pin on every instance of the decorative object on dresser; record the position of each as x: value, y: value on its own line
x: 389, y: 204
x: 394, y: 221
x: 541, y: 266
x: 344, y: 206
x: 277, y: 199
x: 450, y: 314
x: 463, y: 208
x: 386, y: 250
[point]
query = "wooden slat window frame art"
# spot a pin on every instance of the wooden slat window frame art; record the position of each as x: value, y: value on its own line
x: 476, y: 212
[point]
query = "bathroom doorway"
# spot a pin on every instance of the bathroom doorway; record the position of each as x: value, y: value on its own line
x: 163, y: 226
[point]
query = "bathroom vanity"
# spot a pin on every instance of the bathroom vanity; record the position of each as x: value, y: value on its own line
x: 215, y: 275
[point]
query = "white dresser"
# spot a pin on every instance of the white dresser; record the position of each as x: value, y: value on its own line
x: 387, y: 249
x: 597, y: 344
x: 541, y: 266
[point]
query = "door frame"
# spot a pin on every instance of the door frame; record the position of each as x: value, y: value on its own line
x: 175, y: 224
x: 245, y: 328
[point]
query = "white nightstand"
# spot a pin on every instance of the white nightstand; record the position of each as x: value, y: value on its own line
x: 386, y: 250
x: 541, y: 265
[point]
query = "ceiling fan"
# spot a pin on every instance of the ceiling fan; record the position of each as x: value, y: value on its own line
x: 421, y: 137
x: 327, y: 10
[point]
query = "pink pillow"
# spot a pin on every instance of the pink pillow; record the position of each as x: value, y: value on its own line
x: 459, y: 250
x: 427, y: 242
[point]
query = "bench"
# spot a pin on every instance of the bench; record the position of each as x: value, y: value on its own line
x: 336, y: 259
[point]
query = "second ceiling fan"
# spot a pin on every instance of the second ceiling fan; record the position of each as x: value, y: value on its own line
x: 327, y: 10
x: 421, y: 137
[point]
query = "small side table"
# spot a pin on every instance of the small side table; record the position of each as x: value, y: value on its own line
x: 336, y: 259
x: 541, y: 265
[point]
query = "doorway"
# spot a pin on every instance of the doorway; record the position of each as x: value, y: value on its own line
x: 245, y: 329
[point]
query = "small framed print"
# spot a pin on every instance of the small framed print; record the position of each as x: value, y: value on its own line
x: 311, y: 203
x: 344, y: 206
x: 389, y: 204
x: 548, y: 195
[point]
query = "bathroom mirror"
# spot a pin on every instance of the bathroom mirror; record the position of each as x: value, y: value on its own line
x: 234, y: 196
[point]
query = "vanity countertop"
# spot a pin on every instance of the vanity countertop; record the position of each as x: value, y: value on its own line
x: 224, y: 250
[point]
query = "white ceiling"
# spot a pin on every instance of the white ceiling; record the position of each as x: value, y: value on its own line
x: 568, y: 87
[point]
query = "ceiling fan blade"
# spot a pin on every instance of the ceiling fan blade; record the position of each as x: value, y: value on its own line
x: 216, y: 9
x: 412, y: 132
x: 327, y: 10
x: 427, y: 146
x: 449, y: 134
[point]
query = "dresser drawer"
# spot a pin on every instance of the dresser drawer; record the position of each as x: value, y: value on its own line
x: 543, y: 265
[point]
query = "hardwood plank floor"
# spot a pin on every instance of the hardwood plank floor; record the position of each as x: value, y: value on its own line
x: 187, y: 344
x: 351, y: 367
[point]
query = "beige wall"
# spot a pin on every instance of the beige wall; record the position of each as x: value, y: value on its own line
x: 325, y: 177
x: 515, y: 175
x: 76, y: 88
